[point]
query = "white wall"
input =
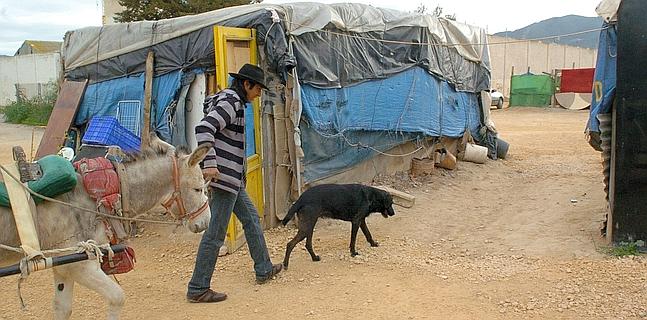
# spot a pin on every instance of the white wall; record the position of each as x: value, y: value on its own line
x: 506, y: 53
x: 110, y: 7
x: 28, y: 71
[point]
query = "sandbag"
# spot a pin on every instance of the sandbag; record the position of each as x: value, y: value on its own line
x: 58, y: 177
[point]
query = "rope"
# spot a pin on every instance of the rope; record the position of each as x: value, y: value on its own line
x: 34, y: 193
x: 8, y: 248
x: 361, y: 145
x: 443, y: 44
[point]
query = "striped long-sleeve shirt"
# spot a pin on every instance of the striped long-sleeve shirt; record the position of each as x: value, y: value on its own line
x: 224, y: 127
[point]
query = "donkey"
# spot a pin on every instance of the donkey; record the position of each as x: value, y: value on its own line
x: 151, y: 181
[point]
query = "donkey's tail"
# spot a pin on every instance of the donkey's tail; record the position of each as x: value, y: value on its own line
x: 293, y: 210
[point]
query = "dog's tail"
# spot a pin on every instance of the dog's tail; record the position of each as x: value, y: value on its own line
x: 293, y: 210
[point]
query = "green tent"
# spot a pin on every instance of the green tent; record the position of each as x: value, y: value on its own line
x: 533, y: 90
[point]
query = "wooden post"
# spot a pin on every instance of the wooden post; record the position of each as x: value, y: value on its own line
x: 400, y: 198
x: 510, y: 94
x: 553, y: 100
x: 148, y: 90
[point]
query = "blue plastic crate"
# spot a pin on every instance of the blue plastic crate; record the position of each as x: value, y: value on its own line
x: 106, y: 130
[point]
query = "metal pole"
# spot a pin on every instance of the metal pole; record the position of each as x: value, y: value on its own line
x: 58, y: 261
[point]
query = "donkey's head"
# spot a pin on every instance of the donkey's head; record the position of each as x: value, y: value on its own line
x: 188, y: 202
x: 191, y: 203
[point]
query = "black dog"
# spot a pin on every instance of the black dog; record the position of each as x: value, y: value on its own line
x: 348, y: 202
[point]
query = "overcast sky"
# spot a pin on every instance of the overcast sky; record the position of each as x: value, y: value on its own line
x: 49, y: 19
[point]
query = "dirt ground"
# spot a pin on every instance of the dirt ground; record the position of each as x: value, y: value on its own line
x: 510, y: 239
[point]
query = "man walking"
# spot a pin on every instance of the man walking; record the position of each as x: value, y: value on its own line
x: 224, y: 128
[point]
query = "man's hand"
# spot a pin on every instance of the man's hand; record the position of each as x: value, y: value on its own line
x: 210, y: 174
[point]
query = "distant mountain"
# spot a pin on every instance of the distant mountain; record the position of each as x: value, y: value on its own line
x: 558, y: 26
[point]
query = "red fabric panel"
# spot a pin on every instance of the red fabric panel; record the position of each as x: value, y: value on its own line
x: 577, y: 80
x: 99, y: 178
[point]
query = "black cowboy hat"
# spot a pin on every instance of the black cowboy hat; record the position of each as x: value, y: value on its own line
x: 252, y: 73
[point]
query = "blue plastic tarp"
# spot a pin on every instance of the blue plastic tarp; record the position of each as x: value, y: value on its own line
x: 604, y: 80
x: 411, y: 101
x: 102, y: 98
x: 346, y: 126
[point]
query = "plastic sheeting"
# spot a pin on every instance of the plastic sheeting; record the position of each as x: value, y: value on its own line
x: 102, y: 98
x: 377, y: 42
x: 91, y: 44
x: 608, y: 10
x: 532, y: 90
x: 340, y: 124
x: 118, y: 50
x: 342, y: 59
x: 577, y: 80
x: 362, y: 42
x: 604, y: 81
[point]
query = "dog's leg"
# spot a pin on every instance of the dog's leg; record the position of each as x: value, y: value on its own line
x: 353, y: 237
x: 309, y: 247
x: 288, y: 250
x: 367, y: 234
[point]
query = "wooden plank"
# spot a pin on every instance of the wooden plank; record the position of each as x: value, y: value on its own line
x: 399, y: 198
x: 148, y: 91
x: 67, y: 102
x: 22, y: 206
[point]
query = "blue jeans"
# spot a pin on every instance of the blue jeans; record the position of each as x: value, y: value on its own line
x: 222, y: 203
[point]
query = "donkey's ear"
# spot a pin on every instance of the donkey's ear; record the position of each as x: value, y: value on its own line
x: 160, y: 145
x: 199, y: 153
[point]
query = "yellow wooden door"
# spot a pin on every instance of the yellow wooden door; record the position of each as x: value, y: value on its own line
x: 233, y: 48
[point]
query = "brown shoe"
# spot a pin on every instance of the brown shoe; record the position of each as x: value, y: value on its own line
x: 207, y: 296
x: 276, y: 269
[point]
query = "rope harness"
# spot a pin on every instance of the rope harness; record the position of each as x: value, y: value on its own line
x: 177, y: 198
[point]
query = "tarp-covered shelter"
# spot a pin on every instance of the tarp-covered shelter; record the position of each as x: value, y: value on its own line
x: 348, y: 83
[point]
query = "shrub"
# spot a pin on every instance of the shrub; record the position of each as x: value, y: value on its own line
x: 625, y: 249
x: 32, y: 111
x: 16, y: 112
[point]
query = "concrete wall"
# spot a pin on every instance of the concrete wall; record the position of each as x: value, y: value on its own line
x: 506, y: 54
x: 30, y: 72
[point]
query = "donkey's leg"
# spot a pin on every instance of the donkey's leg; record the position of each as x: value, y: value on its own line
x: 89, y: 275
x: 63, y: 295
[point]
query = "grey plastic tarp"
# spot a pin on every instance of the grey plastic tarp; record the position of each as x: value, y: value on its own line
x: 358, y: 42
x: 182, y: 43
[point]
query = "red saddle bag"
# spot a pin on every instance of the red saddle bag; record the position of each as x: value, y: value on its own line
x: 121, y: 262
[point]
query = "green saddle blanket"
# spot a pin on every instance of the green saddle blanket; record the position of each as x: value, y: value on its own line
x: 58, y: 177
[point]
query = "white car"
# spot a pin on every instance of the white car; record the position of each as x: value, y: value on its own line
x: 497, y: 98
